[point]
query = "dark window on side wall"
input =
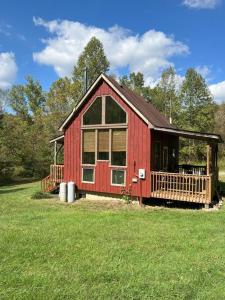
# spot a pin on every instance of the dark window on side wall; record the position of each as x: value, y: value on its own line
x: 93, y: 115
x: 88, y: 154
x: 114, y: 114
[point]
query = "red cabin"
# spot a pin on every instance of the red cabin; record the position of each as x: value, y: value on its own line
x: 114, y: 141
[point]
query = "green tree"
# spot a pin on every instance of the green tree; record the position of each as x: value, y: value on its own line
x: 3, y: 100
x: 35, y: 96
x: 198, y: 112
x: 170, y: 101
x: 61, y: 99
x: 12, y: 145
x: 135, y: 81
x: 220, y: 127
x: 31, y: 149
x: 27, y: 100
x: 18, y: 101
x: 164, y: 96
x: 198, y: 107
x: 94, y: 60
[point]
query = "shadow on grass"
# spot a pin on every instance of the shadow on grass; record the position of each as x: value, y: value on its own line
x: 173, y: 204
x: 17, y: 181
x: 11, y: 191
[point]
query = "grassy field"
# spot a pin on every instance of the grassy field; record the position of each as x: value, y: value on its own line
x: 105, y: 250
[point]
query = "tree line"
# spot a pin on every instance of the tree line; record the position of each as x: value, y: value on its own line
x: 30, y: 116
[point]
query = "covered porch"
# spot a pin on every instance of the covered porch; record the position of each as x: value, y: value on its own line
x: 186, y: 182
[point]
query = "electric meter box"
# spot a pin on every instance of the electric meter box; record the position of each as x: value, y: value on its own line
x: 141, y: 173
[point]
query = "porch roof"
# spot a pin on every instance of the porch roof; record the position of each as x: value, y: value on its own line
x: 210, y: 137
x: 58, y: 139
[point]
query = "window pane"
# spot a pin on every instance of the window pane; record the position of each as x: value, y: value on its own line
x: 94, y: 114
x: 113, y: 112
x: 103, y: 144
x: 118, y: 177
x: 88, y: 156
x: 88, y: 175
x: 118, y: 157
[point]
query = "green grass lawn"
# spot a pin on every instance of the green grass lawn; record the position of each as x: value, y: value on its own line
x: 106, y: 250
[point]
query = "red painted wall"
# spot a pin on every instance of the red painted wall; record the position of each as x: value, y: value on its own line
x: 138, y: 155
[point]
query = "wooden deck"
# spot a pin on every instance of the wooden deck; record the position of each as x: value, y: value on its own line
x: 182, y: 187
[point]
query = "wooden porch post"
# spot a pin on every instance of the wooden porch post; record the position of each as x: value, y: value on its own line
x: 208, y: 159
x: 55, y: 152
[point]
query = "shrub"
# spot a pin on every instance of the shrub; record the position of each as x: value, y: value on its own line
x: 41, y: 195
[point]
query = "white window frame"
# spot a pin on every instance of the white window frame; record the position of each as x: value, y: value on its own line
x: 118, y: 169
x: 82, y: 174
x: 114, y: 166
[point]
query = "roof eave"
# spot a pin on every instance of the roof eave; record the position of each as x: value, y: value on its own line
x: 191, y: 134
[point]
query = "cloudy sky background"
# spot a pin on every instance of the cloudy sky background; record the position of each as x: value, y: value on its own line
x: 45, y: 39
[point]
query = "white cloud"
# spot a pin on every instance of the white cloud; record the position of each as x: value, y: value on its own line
x: 218, y: 91
x: 203, y: 70
x: 148, y: 53
x: 201, y: 4
x: 8, y: 69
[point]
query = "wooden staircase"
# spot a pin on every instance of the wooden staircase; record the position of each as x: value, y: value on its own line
x: 52, y: 181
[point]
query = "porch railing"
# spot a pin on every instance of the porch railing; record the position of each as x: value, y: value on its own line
x: 183, y: 187
x: 56, y: 173
x: 50, y: 183
x: 192, y: 169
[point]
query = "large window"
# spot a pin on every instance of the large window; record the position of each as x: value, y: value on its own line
x: 93, y: 115
x: 88, y: 155
x: 104, y: 137
x: 103, y: 144
x: 104, y: 110
x: 118, y: 154
x: 114, y: 114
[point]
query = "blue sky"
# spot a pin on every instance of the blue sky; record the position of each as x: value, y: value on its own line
x: 45, y: 38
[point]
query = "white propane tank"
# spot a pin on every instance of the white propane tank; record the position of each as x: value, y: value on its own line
x: 62, y: 191
x: 71, y: 192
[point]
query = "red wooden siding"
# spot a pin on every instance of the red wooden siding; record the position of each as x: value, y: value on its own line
x: 138, y: 154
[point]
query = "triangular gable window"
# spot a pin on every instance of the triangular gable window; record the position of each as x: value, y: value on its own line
x: 104, y: 110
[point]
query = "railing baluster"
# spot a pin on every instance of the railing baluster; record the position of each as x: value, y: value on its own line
x: 176, y: 186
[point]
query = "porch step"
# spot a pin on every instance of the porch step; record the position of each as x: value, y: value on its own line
x: 48, y: 185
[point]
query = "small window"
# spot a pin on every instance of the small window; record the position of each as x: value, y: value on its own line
x: 114, y: 114
x: 88, y: 155
x: 118, y: 157
x: 118, y: 177
x: 88, y: 175
x: 93, y: 115
x: 103, y: 144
